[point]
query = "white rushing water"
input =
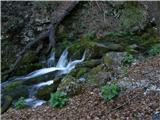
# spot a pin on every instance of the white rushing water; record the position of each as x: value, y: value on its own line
x: 63, y: 66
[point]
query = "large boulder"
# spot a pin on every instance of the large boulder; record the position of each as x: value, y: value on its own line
x: 15, y: 89
x: 94, y: 49
x: 70, y: 86
x: 100, y: 75
x: 45, y: 91
x: 6, y: 101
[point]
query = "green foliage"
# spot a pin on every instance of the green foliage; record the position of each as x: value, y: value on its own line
x: 154, y: 50
x: 128, y: 59
x: 89, y: 36
x: 81, y: 72
x: 58, y: 99
x: 20, y: 103
x: 109, y: 91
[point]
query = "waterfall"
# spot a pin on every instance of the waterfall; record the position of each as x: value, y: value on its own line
x: 63, y: 67
x: 51, y: 60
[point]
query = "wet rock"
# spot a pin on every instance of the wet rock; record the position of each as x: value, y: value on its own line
x: 44, y: 92
x: 15, y: 89
x: 90, y: 63
x: 70, y: 86
x: 6, y: 101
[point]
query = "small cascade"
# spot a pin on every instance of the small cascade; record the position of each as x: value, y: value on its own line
x: 63, y: 67
x: 51, y: 60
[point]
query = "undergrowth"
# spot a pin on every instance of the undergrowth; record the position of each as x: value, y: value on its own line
x: 58, y: 99
x: 108, y: 92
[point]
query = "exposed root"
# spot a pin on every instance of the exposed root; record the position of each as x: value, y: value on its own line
x: 57, y: 18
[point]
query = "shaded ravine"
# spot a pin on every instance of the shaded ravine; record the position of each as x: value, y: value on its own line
x: 63, y: 66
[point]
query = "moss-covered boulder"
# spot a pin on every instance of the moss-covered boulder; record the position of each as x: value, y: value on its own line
x: 100, y: 75
x: 90, y: 63
x: 113, y: 58
x: 44, y: 92
x: 15, y: 89
x: 6, y: 101
x: 94, y: 49
x: 28, y: 63
x: 69, y: 86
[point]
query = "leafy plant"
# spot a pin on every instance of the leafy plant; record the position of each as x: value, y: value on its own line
x: 128, y: 59
x: 58, y: 99
x: 154, y: 50
x: 20, y: 103
x: 109, y: 91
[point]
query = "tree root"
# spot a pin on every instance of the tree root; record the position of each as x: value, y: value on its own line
x: 63, y: 10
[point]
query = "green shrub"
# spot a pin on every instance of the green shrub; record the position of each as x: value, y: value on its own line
x: 155, y: 50
x: 109, y: 91
x: 20, y: 103
x: 128, y: 59
x: 58, y: 99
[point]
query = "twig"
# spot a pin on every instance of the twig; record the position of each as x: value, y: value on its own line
x: 124, y: 103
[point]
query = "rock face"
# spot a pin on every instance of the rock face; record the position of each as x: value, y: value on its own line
x: 69, y: 86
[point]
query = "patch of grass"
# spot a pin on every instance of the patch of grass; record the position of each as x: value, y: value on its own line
x: 20, y: 103
x: 155, y: 50
x: 108, y: 92
x: 58, y: 99
x: 128, y: 59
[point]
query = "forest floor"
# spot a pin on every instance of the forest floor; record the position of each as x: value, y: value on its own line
x: 132, y: 104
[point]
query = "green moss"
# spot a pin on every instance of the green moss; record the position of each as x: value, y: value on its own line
x: 29, y: 57
x: 99, y: 75
x: 10, y: 87
x: 154, y: 50
x: 81, y: 72
x: 45, y: 92
x: 132, y: 15
x: 24, y: 69
x: 108, y: 92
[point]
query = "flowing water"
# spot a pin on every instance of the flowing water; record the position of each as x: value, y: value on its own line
x: 63, y: 67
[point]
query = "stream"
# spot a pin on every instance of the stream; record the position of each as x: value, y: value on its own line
x: 63, y: 66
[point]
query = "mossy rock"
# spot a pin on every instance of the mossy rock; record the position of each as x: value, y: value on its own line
x: 99, y: 75
x: 6, y: 102
x: 11, y: 86
x: 69, y: 86
x: 44, y: 92
x: 133, y: 14
x: 29, y: 57
x: 90, y: 63
x: 24, y: 69
x: 15, y: 89
x: 113, y: 58
x: 94, y: 49
x: 42, y: 78
x: 81, y: 72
